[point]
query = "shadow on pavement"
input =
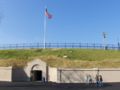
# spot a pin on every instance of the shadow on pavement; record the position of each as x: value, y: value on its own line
x: 55, y: 85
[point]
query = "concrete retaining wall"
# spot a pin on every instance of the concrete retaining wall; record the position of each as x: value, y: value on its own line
x: 52, y: 76
x: 79, y: 75
x: 110, y: 75
x: 58, y: 75
x: 19, y: 75
x: 5, y: 73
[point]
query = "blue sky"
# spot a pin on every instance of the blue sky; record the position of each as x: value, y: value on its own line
x: 73, y: 21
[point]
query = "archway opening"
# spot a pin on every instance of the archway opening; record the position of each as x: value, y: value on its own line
x: 36, y: 75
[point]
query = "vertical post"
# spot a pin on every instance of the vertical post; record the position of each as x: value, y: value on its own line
x: 47, y: 73
x: 118, y: 44
x: 45, y: 29
x: 60, y: 76
x: 104, y: 41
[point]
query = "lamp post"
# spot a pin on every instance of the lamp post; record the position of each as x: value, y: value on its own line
x: 104, y: 40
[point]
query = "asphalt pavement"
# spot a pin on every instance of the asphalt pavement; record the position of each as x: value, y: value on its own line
x: 55, y: 86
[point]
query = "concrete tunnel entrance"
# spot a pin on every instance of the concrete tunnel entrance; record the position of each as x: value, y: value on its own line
x: 36, y: 75
x: 37, y: 71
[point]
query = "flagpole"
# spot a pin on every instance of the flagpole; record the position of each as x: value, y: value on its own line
x: 49, y: 16
x: 45, y: 29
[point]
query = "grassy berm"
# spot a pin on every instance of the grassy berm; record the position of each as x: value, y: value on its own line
x: 68, y: 58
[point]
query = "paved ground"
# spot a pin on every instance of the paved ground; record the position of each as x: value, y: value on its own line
x: 54, y: 86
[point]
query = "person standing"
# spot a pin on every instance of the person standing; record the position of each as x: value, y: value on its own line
x: 97, y: 80
x: 100, y: 81
x: 87, y: 80
x: 90, y: 80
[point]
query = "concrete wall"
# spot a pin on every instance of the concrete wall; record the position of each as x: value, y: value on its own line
x: 59, y: 75
x: 74, y: 75
x: 52, y: 76
x: 5, y: 73
x: 79, y: 75
x: 19, y: 75
x: 110, y: 74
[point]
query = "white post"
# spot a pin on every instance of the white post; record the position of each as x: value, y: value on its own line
x: 45, y: 29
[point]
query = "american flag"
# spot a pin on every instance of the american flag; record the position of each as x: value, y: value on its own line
x: 48, y: 14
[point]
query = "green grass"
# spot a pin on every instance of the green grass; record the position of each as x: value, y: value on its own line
x: 77, y: 58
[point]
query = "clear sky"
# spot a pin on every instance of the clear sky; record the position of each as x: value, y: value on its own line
x: 73, y: 21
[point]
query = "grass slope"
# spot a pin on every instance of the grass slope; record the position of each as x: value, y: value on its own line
x: 77, y: 58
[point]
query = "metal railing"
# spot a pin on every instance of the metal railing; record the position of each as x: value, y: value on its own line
x: 60, y: 45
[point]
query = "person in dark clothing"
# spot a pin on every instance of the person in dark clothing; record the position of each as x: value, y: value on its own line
x: 100, y: 81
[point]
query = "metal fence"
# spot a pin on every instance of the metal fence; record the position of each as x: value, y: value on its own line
x: 60, y: 45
